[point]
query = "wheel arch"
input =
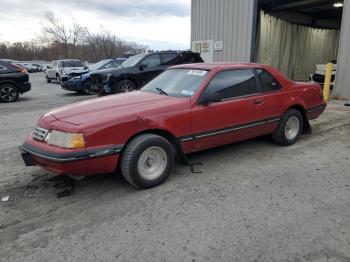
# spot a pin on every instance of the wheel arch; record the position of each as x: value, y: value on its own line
x: 302, y: 110
x: 9, y: 82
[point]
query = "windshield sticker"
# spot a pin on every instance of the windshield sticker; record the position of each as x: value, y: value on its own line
x: 187, y: 93
x: 197, y: 72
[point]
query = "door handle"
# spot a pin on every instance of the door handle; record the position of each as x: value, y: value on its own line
x: 258, y: 101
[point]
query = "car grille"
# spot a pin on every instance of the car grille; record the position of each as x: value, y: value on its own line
x: 40, y: 133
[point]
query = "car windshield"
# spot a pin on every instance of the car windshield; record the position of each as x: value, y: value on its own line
x: 177, y: 82
x: 98, y: 65
x: 72, y: 63
x: 133, y: 60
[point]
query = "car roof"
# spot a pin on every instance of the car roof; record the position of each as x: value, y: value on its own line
x: 219, y: 65
x: 67, y: 60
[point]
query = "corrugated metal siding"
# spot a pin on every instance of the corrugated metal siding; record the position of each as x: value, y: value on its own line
x: 230, y: 21
x: 342, y: 86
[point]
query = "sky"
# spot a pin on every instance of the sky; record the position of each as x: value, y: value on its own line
x: 160, y: 24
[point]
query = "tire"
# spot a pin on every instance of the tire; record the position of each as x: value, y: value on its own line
x: 58, y: 79
x: 85, y: 87
x: 8, y: 93
x: 289, y: 128
x: 48, y: 80
x: 125, y: 86
x: 147, y: 161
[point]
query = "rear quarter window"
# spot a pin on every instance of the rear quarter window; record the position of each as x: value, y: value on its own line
x: 267, y: 81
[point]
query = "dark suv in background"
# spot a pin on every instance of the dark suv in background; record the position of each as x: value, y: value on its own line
x: 14, y: 80
x: 138, y: 70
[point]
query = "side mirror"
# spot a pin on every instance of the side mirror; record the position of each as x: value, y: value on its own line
x: 86, y: 67
x: 142, y: 66
x: 208, y: 98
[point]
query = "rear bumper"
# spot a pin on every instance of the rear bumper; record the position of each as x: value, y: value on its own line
x: 80, y: 163
x: 24, y: 87
x: 316, y: 111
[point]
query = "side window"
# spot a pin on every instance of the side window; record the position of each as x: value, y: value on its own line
x: 117, y: 63
x: 233, y: 83
x: 54, y: 65
x: 267, y: 81
x: 108, y: 66
x: 151, y: 61
x: 169, y: 59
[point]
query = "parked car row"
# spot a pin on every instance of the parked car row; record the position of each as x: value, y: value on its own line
x: 32, y: 68
x: 116, y: 75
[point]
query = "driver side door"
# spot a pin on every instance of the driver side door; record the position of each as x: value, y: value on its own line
x: 238, y: 110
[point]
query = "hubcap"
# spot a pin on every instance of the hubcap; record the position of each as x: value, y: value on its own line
x: 126, y: 87
x: 152, y: 163
x: 8, y: 94
x: 292, y: 128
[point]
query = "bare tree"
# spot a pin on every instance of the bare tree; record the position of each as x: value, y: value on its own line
x: 55, y: 31
x: 59, y: 40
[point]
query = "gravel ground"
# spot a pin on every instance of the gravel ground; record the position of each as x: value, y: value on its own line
x: 255, y: 201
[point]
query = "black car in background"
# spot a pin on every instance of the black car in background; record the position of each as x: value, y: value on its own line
x: 14, y: 80
x: 138, y: 70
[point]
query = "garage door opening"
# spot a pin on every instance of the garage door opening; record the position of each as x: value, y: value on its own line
x: 295, y: 36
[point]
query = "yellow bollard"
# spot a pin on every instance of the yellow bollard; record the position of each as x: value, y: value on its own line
x: 327, y: 82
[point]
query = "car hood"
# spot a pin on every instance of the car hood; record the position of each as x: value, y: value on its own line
x: 119, y: 107
x: 113, y: 71
x: 72, y: 69
x: 78, y: 72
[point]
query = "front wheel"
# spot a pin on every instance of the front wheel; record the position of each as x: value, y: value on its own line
x: 8, y: 93
x: 125, y: 86
x: 289, y: 128
x: 58, y: 79
x: 85, y: 87
x: 147, y: 161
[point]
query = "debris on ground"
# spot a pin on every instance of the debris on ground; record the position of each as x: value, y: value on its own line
x: 64, y: 186
x: 5, y: 198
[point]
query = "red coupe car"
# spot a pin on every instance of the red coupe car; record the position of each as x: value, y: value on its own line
x: 187, y: 108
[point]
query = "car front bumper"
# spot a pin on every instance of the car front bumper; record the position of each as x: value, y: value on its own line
x: 72, y: 85
x: 100, y: 160
x: 24, y: 87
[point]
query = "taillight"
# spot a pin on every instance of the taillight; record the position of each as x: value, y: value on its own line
x: 21, y: 69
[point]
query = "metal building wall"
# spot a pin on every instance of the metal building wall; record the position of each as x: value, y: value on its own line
x: 342, y: 86
x: 229, y: 21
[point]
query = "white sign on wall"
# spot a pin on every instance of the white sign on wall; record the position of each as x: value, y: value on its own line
x: 218, y: 46
x: 205, y: 48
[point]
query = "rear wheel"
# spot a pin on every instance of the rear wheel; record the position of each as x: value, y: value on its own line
x: 48, y: 80
x: 8, y: 93
x: 125, y: 86
x: 147, y: 161
x: 289, y: 128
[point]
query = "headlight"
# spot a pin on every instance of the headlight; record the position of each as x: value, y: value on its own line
x: 65, y: 140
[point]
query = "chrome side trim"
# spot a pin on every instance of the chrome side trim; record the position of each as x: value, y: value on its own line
x: 227, y: 130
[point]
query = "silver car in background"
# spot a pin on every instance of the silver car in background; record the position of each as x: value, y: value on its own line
x: 60, y: 69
